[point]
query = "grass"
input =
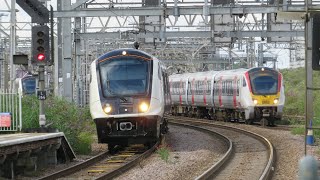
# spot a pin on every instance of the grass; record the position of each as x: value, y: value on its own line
x: 294, y: 82
x: 164, y: 152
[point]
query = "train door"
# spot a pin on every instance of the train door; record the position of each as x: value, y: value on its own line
x: 166, y: 90
x: 212, y: 91
x: 189, y: 92
x: 186, y: 91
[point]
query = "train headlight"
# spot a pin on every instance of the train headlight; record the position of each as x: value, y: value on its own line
x: 143, y: 107
x: 107, y: 108
x: 255, y: 101
x: 275, y: 101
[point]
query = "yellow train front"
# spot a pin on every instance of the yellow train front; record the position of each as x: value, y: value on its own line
x: 265, y: 93
x: 128, y: 97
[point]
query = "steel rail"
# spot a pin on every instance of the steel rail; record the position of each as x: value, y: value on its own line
x: 130, y: 164
x: 209, y: 172
x: 78, y: 167
x: 268, y: 170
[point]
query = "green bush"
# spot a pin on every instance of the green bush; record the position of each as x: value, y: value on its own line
x: 85, y: 146
x: 75, y: 122
x: 164, y: 152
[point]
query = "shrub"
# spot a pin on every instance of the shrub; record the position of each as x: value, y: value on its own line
x: 75, y: 122
x: 164, y: 152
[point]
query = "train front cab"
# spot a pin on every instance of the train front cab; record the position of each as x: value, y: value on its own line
x: 130, y: 105
x: 267, y: 94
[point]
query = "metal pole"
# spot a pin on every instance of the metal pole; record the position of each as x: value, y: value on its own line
x: 308, y: 74
x: 12, y: 41
x: 42, y: 116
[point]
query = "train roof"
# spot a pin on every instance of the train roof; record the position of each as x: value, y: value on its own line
x: 125, y: 52
x: 198, y: 74
x: 218, y: 73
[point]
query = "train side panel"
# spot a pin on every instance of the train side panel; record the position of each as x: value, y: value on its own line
x: 200, y: 90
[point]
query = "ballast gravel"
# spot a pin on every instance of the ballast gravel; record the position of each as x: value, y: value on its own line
x: 289, y: 151
x: 191, y: 153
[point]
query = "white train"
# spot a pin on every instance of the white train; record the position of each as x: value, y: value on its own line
x: 255, y: 94
x: 129, y: 93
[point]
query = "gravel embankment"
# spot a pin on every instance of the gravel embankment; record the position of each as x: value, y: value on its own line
x: 192, y: 152
x: 289, y: 151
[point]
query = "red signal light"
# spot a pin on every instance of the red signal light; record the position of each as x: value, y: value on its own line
x: 41, y: 57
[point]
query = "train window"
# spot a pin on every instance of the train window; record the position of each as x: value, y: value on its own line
x: 231, y: 87
x: 264, y: 85
x: 223, y: 88
x: 244, y: 84
x: 176, y: 87
x: 217, y: 86
x: 125, y: 76
x: 173, y: 88
x: 159, y: 70
x: 264, y: 82
x: 238, y: 83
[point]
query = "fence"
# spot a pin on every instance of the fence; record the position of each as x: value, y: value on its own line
x: 10, y: 111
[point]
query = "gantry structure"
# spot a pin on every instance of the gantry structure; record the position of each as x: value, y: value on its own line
x: 189, y: 35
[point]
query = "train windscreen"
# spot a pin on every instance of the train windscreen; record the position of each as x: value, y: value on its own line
x: 125, y: 76
x: 29, y: 85
x: 264, y: 82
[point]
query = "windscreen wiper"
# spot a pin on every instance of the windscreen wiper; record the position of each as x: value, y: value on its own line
x: 123, y: 99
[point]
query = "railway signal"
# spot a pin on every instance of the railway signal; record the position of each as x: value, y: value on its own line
x: 40, y: 45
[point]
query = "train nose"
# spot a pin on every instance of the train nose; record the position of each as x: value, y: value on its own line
x: 125, y: 126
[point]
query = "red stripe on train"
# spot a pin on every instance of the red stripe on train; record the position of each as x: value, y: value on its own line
x: 248, y: 80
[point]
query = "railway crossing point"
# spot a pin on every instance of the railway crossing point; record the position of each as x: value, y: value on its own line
x: 308, y: 168
x: 310, y: 138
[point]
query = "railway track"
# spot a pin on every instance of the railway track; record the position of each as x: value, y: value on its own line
x: 105, y: 165
x: 253, y: 156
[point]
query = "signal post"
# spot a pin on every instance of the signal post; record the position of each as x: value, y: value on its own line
x: 40, y: 47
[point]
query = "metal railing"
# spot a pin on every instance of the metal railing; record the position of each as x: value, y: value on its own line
x: 10, y: 111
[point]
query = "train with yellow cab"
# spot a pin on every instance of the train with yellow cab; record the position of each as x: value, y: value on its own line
x: 249, y: 95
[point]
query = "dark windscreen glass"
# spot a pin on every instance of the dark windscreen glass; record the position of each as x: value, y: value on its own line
x: 29, y: 86
x: 266, y: 84
x: 124, y: 76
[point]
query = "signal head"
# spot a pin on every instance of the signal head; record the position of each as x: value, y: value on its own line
x: 41, y: 57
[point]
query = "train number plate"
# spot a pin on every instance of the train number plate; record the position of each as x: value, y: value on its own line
x: 266, y: 115
x: 265, y: 102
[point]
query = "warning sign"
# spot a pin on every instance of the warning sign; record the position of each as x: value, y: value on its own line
x: 5, y: 119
